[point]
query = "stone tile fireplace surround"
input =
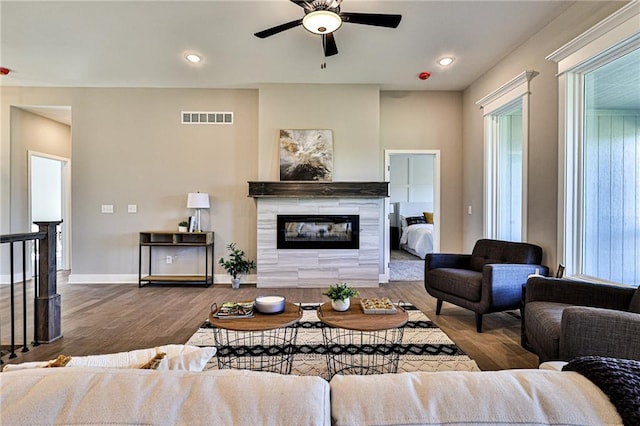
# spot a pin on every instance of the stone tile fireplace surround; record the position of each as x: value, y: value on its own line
x: 296, y: 268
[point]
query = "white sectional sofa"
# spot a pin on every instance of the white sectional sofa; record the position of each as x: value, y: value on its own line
x: 90, y: 395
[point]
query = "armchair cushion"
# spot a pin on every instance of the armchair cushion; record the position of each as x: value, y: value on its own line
x: 495, y: 251
x: 579, y: 293
x: 446, y: 260
x: 460, y: 282
x: 634, y: 306
x: 601, y: 332
x: 543, y: 319
x: 564, y: 319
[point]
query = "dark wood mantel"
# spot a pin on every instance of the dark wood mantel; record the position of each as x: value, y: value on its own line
x: 301, y: 189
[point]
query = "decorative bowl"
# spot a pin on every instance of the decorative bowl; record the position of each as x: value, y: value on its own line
x: 269, y: 304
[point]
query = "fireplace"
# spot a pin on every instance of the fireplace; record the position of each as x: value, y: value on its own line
x: 318, y: 232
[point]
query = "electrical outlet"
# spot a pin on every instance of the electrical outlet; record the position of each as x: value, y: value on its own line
x: 169, y: 259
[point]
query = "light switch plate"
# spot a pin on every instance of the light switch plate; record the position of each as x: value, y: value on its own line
x: 107, y: 208
x: 132, y: 208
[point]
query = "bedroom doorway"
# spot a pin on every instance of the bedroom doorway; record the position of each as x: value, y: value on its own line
x: 49, y: 189
x: 414, y: 192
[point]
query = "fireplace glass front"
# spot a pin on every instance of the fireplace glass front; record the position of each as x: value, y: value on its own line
x: 318, y: 231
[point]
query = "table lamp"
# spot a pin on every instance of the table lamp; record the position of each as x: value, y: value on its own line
x: 198, y: 200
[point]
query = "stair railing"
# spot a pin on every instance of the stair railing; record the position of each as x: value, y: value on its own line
x: 46, y: 308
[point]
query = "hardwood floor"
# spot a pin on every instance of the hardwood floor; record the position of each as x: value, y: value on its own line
x: 121, y: 317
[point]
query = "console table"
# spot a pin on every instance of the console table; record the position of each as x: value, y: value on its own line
x: 175, y: 240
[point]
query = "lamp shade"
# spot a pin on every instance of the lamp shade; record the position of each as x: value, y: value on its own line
x: 198, y: 200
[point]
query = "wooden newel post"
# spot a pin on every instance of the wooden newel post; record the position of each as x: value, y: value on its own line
x: 48, y: 320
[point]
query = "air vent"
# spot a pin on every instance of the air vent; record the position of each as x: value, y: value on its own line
x: 204, y: 117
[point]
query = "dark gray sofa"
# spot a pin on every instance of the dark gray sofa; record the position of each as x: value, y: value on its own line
x: 564, y: 319
x: 490, y: 279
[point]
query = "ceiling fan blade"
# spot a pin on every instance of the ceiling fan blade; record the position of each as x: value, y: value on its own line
x: 278, y: 29
x: 303, y: 4
x: 377, y: 19
x: 329, y: 45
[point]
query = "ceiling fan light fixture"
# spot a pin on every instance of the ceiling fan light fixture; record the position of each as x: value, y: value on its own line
x: 321, y: 21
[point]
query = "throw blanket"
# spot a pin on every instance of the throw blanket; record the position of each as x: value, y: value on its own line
x: 619, y: 379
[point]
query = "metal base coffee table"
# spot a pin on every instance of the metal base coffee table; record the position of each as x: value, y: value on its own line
x: 359, y: 343
x: 265, y: 342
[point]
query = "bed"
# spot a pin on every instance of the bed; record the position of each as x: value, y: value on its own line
x: 415, y: 238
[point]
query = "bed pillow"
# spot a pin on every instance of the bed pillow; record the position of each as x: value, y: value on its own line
x: 428, y: 217
x: 415, y: 220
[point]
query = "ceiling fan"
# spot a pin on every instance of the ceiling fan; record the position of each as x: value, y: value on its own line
x: 323, y: 17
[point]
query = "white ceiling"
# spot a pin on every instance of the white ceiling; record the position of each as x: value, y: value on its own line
x: 143, y: 43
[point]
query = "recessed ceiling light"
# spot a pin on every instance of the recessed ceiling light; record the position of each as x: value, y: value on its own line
x: 447, y: 60
x: 193, y: 58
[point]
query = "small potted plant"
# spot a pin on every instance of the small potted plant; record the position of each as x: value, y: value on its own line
x: 236, y: 264
x: 340, y: 295
x: 183, y: 226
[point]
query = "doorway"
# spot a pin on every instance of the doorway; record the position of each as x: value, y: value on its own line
x: 414, y: 182
x: 49, y: 189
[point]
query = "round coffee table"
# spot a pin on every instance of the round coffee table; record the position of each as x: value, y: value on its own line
x: 263, y: 343
x: 359, y: 343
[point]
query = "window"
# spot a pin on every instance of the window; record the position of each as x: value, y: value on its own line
x: 610, y: 248
x: 599, y: 75
x: 506, y: 116
x: 509, y: 172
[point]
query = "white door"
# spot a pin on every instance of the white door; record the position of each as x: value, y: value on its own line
x: 48, y: 196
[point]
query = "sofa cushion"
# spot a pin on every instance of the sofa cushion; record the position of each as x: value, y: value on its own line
x: 497, y: 251
x: 634, y: 306
x: 179, y: 357
x: 131, y: 396
x: 459, y: 282
x: 542, y: 320
x: 471, y: 398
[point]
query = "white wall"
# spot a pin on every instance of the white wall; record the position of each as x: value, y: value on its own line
x: 543, y: 126
x: 430, y: 120
x: 130, y: 148
x: 31, y: 132
x: 351, y: 111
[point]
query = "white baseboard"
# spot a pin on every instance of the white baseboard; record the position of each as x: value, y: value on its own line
x: 103, y: 279
x: 226, y: 279
x: 17, y: 278
x: 133, y: 279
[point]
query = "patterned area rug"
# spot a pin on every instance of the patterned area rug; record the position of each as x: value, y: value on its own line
x: 424, y: 346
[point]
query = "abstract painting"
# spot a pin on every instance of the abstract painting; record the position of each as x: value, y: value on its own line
x: 306, y: 155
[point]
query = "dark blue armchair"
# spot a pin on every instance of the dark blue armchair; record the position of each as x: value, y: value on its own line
x: 488, y: 280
